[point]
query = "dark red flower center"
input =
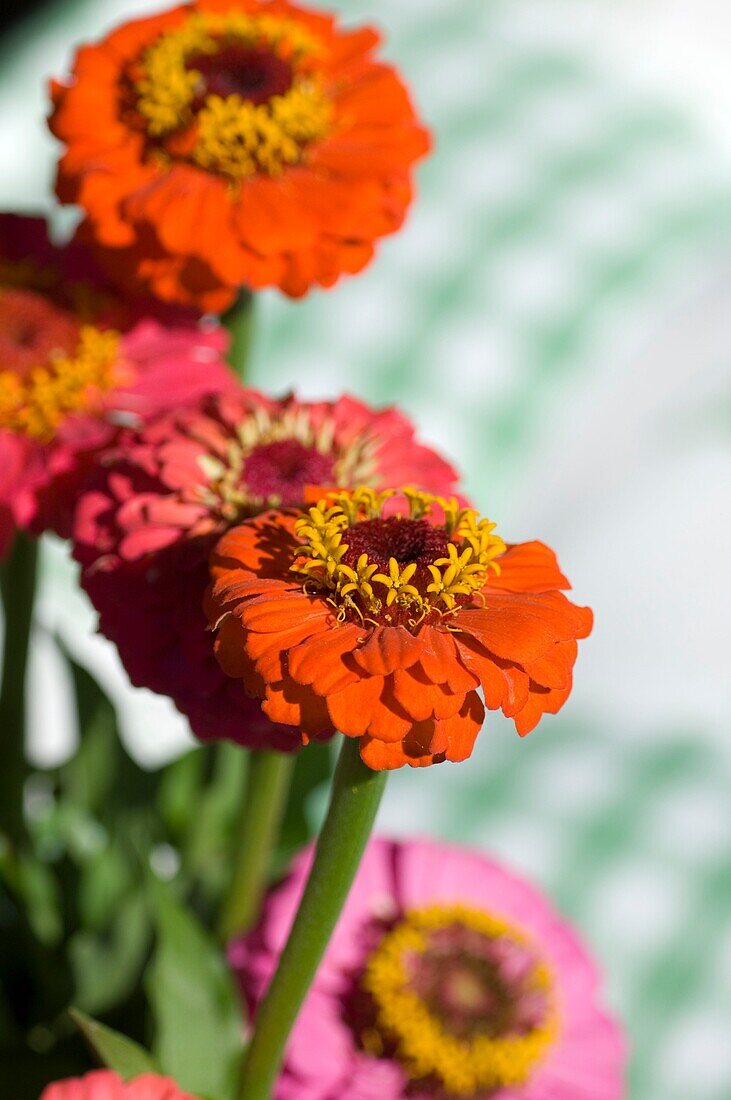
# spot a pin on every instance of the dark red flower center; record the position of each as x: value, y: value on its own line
x: 460, y: 998
x: 279, y: 472
x: 476, y: 985
x: 32, y: 330
x: 407, y: 540
x: 254, y: 74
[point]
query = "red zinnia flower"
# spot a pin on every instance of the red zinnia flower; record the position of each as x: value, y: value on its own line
x: 229, y: 143
x: 160, y: 503
x: 68, y: 381
x: 385, y: 626
x: 70, y: 277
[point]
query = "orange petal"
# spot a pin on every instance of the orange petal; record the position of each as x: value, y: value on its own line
x: 351, y: 710
x: 421, y: 699
x: 294, y: 705
x: 389, y: 648
x: 529, y: 567
x: 386, y: 757
x: 516, y: 695
x: 540, y: 701
x: 389, y: 721
x: 461, y: 731
x: 521, y: 627
x: 319, y: 662
x: 230, y: 648
x: 268, y: 615
x: 269, y: 650
x: 555, y: 669
x: 483, y: 665
x: 440, y: 661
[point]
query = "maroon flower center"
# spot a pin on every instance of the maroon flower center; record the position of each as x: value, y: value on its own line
x: 32, y: 330
x: 254, y: 74
x: 407, y: 540
x: 279, y: 472
x: 477, y: 985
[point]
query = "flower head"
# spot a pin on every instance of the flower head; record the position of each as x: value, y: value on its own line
x: 446, y: 978
x: 382, y: 614
x: 236, y: 142
x: 69, y: 381
x: 158, y: 505
x: 70, y: 277
x: 104, y: 1085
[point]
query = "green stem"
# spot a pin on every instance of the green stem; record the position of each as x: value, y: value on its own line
x: 267, y: 785
x: 18, y: 583
x: 354, y: 800
x: 239, y: 320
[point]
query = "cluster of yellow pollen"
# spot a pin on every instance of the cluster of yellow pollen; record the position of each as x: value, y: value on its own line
x: 239, y: 138
x: 472, y: 550
x: 35, y: 405
x: 234, y: 137
x: 423, y: 1044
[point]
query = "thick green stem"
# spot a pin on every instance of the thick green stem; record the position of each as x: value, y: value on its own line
x: 239, y: 320
x: 267, y: 785
x: 354, y: 800
x: 18, y: 582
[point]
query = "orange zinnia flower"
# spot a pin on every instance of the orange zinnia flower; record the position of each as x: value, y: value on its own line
x: 229, y: 143
x: 384, y: 621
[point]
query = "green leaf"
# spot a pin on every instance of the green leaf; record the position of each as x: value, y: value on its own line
x: 107, y: 969
x: 42, y: 898
x: 180, y: 786
x: 199, y: 1022
x: 101, y: 776
x: 89, y: 777
x: 206, y: 853
x: 106, y: 881
x: 113, y: 1050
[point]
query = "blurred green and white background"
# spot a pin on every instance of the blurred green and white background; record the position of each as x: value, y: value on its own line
x: 556, y: 315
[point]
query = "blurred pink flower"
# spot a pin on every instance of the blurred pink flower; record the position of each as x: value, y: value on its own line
x: 103, y: 1085
x: 145, y: 530
x: 76, y: 364
x: 446, y: 977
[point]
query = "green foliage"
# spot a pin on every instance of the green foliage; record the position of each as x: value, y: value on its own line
x: 76, y: 921
x: 122, y: 873
x: 198, y: 1018
x: 113, y: 1050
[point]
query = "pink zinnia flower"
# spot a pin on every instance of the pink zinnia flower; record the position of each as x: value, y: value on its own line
x: 103, y: 1085
x: 446, y: 977
x: 69, y: 379
x: 145, y: 531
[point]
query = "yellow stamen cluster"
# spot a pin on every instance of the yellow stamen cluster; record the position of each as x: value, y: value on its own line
x: 35, y: 405
x: 424, y: 1046
x: 472, y: 551
x: 234, y: 136
x: 238, y: 138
